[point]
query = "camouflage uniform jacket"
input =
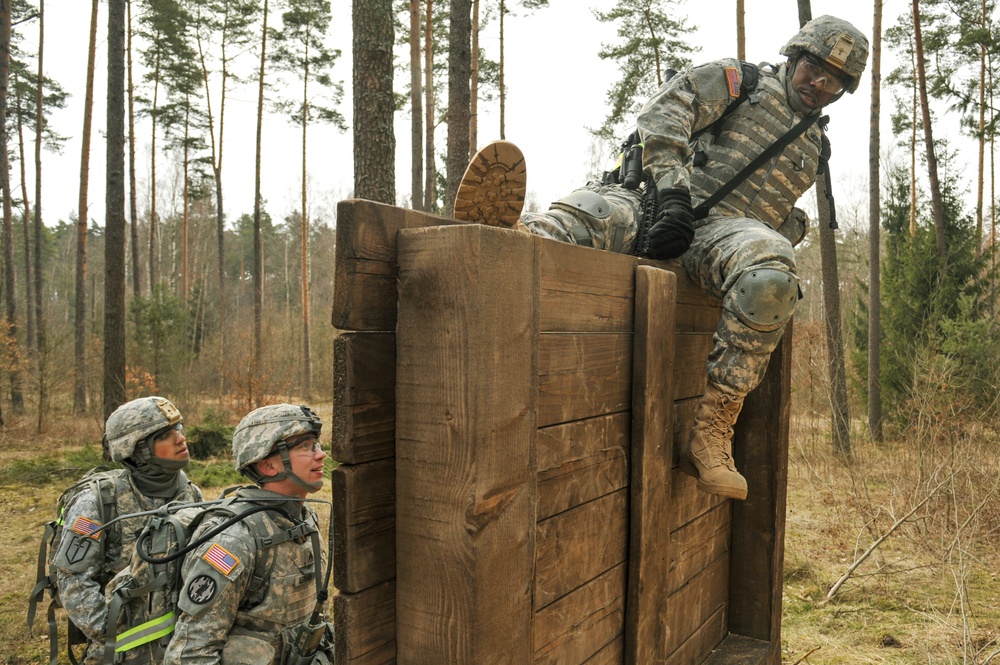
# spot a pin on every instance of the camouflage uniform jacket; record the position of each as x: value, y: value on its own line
x: 83, y: 564
x: 239, y: 600
x: 693, y: 100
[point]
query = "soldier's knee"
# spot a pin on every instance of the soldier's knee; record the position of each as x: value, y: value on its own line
x: 764, y: 298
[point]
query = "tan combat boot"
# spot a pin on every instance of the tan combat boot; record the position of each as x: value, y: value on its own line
x: 493, y: 187
x: 709, y: 452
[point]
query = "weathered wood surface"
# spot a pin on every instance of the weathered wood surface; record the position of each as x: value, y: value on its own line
x: 365, y: 626
x: 364, y: 525
x: 466, y: 392
x: 651, y: 457
x: 585, y: 317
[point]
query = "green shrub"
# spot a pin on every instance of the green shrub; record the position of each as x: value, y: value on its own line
x: 212, y: 439
x: 45, y: 469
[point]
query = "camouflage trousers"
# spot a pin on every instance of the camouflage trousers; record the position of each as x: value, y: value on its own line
x: 723, y: 249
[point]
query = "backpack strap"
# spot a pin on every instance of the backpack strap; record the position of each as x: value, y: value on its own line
x: 748, y: 90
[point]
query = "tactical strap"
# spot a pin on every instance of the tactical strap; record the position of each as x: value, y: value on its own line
x: 775, y: 148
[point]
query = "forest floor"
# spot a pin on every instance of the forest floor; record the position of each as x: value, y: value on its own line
x: 928, y: 594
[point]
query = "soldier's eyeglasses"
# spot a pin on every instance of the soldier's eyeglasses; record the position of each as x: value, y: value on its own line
x: 309, y: 442
x: 818, y: 72
x: 163, y: 434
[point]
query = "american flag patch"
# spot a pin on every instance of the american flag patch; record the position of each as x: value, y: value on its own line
x: 733, y: 78
x: 86, y: 527
x: 220, y: 558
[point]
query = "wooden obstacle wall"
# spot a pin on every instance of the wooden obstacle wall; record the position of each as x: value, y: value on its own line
x: 506, y: 493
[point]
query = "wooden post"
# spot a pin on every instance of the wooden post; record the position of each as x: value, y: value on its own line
x: 760, y: 450
x: 466, y: 402
x: 651, y: 455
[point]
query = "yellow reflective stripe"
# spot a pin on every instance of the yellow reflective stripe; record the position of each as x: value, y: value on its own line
x: 146, y: 632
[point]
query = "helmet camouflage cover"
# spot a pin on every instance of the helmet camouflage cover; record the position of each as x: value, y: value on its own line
x: 259, y: 432
x: 834, y: 41
x: 133, y: 421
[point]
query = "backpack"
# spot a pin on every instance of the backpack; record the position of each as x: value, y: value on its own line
x: 106, y: 484
x: 143, y: 598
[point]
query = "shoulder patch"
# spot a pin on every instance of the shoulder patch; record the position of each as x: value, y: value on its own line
x: 220, y: 558
x: 733, y: 79
x: 86, y: 527
x: 201, y: 589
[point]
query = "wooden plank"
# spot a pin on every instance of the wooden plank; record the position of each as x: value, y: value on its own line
x: 364, y: 297
x: 740, y: 650
x: 364, y: 525
x: 576, y: 546
x: 581, y: 461
x: 583, y: 375
x: 702, y: 642
x: 760, y: 450
x: 364, y: 384
x: 364, y: 631
x: 581, y: 623
x: 584, y: 290
x: 612, y: 654
x: 687, y: 502
x: 651, y: 455
x: 697, y: 545
x: 690, y: 355
x: 465, y: 445
x: 695, y: 603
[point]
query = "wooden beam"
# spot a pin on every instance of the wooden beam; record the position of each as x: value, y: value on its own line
x: 651, y: 455
x: 364, y: 525
x: 760, y: 450
x: 364, y: 396
x: 365, y: 621
x: 466, y: 390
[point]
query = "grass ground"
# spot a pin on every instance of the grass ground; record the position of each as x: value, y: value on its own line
x: 929, y: 594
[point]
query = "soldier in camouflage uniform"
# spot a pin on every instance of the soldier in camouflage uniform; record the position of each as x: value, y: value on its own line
x: 742, y: 250
x: 242, y: 602
x: 146, y: 436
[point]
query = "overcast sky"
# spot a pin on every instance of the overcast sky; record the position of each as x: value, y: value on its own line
x: 556, y: 89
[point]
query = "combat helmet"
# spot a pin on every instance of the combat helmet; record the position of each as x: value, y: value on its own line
x: 834, y: 41
x: 137, y: 422
x: 265, y: 431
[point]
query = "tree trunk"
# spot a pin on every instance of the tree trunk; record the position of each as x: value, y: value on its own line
x: 258, y: 248
x: 981, y: 173
x: 937, y: 204
x: 304, y: 240
x: 29, y: 281
x: 459, y: 68
x: 114, y: 243
x: 913, y: 152
x: 503, y: 88
x: 741, y: 30
x: 831, y: 302
x: 153, y: 231
x: 133, y: 193
x: 185, y: 216
x: 8, y: 213
x: 474, y: 83
x: 39, y: 129
x: 417, y: 111
x: 430, y: 193
x: 80, y: 318
x: 874, y: 238
x: 374, y: 139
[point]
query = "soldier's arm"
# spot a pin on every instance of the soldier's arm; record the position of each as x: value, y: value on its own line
x: 215, y: 577
x: 691, y: 101
x: 78, y: 564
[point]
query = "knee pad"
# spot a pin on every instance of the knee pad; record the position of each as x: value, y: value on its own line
x: 591, y: 221
x: 587, y: 201
x: 764, y: 297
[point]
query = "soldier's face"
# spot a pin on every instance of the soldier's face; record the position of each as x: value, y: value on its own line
x: 171, y: 445
x: 306, y: 456
x: 815, y: 83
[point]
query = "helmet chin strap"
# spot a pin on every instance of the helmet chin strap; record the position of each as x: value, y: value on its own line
x: 288, y: 473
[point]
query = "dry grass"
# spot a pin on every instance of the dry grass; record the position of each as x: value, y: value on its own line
x: 929, y: 593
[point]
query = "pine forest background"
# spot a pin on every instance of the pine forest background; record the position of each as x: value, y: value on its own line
x: 222, y: 307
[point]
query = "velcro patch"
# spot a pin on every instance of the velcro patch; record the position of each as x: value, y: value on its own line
x: 201, y: 589
x: 86, y: 527
x: 168, y: 410
x: 733, y: 78
x: 221, y: 559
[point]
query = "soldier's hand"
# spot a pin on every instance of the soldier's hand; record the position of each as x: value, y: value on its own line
x: 672, y: 232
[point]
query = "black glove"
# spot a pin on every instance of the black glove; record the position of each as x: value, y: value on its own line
x: 672, y: 232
